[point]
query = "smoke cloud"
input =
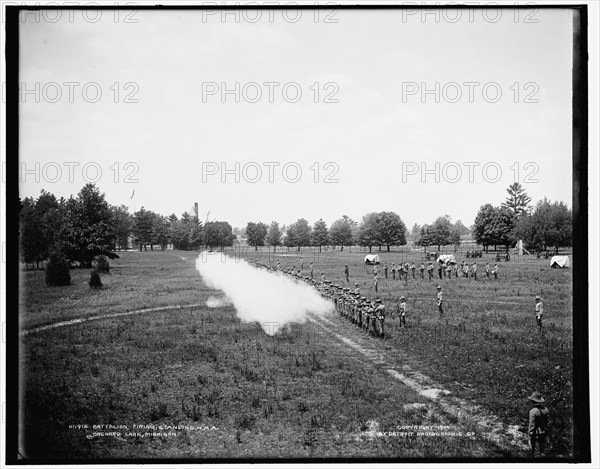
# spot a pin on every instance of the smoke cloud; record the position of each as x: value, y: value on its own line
x: 270, y: 298
x: 214, y: 302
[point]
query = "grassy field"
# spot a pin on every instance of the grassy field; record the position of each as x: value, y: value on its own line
x: 241, y: 393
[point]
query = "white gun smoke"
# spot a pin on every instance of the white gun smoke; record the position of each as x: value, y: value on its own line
x: 270, y: 298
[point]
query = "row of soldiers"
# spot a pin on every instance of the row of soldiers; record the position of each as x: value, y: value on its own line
x: 447, y: 269
x: 366, y: 314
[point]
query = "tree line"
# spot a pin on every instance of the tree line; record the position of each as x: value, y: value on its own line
x: 82, y: 227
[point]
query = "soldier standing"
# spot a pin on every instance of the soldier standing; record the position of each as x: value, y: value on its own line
x: 495, y: 271
x: 413, y: 268
x: 376, y: 283
x: 380, y: 318
x: 356, y: 289
x: 374, y: 270
x: 539, y: 311
x: 402, y: 312
x: 538, y: 425
x: 440, y: 300
x: 394, y: 271
x: 449, y: 271
x: 301, y: 263
x: 430, y: 270
x: 400, y: 271
x: 422, y: 271
x: 311, y: 270
x: 466, y: 270
x: 474, y: 269
x: 322, y: 277
x: 406, y: 267
x: 347, y: 273
x: 487, y: 270
x: 385, y: 270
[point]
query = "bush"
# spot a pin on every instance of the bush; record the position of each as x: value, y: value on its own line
x: 95, y: 281
x: 102, y: 264
x: 57, y: 270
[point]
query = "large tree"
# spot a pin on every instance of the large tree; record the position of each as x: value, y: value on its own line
x: 494, y: 226
x: 274, y: 235
x: 123, y: 225
x: 441, y: 232
x: 368, y: 231
x: 87, y: 229
x: 391, y: 229
x: 218, y: 234
x: 550, y: 225
x: 517, y: 200
x: 340, y: 233
x: 320, y: 234
x: 143, y: 222
x: 256, y: 234
x: 298, y: 234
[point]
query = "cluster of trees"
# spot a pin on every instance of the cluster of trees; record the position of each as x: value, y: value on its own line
x: 548, y: 225
x: 83, y: 227
x: 375, y: 229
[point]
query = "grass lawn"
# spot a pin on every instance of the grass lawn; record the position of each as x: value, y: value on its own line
x: 241, y: 393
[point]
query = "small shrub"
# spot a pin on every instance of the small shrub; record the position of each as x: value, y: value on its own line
x: 95, y: 281
x: 102, y: 264
x: 57, y: 270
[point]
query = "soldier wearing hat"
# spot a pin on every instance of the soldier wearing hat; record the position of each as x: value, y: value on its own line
x: 474, y: 270
x: 413, y: 267
x: 487, y: 270
x: 376, y: 283
x: 449, y: 270
x: 422, y: 271
x: 538, y: 424
x: 379, y: 313
x: 402, y: 319
x: 347, y: 273
x: 539, y: 311
x: 430, y: 270
x: 440, y: 300
x: 356, y: 289
x: 322, y: 277
x: 495, y: 271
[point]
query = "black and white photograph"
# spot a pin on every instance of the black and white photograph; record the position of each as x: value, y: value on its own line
x: 300, y: 233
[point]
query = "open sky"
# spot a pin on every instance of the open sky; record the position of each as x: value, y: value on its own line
x: 160, y: 126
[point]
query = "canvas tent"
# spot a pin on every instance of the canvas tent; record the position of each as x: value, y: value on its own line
x: 561, y: 262
x: 444, y: 258
x: 371, y: 259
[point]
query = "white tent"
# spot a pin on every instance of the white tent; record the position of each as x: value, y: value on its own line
x: 444, y: 258
x: 371, y: 259
x: 562, y: 262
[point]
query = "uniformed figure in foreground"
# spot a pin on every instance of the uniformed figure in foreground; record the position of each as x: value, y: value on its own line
x: 538, y: 425
x: 440, y: 300
x: 539, y: 312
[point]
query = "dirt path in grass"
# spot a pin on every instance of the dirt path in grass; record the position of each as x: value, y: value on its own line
x: 394, y: 362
